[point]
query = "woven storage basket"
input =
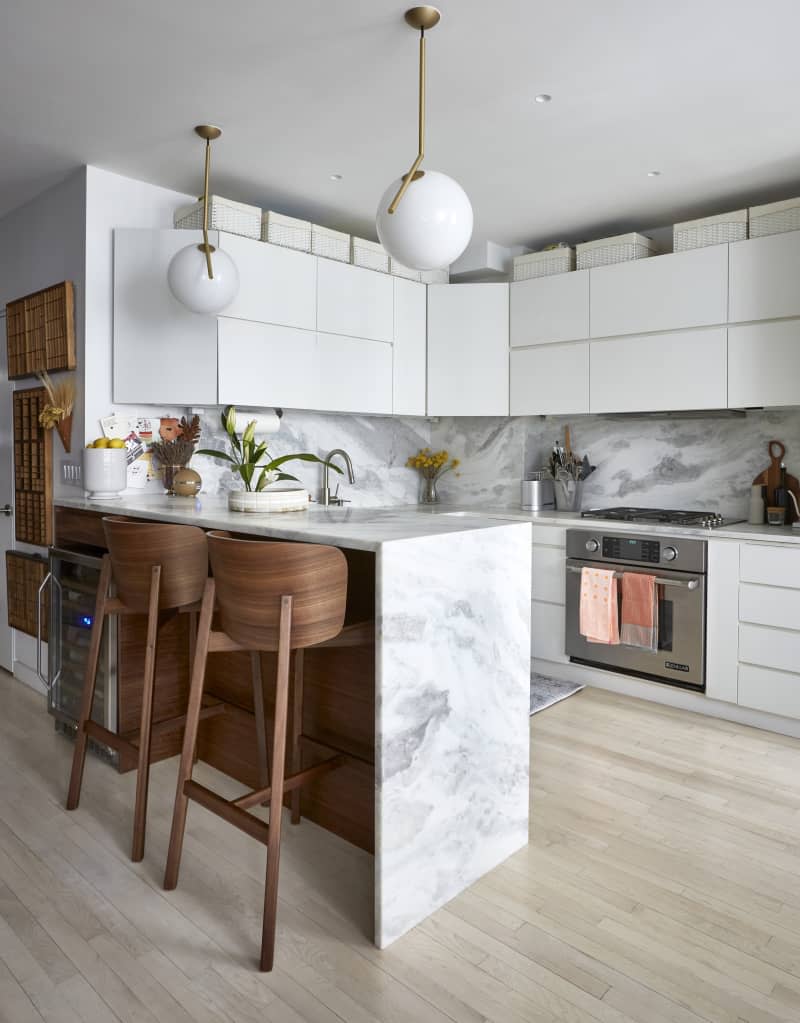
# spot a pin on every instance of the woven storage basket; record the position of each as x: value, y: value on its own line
x: 775, y: 218
x: 372, y: 255
x: 223, y: 215
x: 331, y: 244
x: 696, y: 234
x: 543, y: 264
x: 435, y: 276
x: 398, y: 270
x: 622, y: 248
x: 288, y: 231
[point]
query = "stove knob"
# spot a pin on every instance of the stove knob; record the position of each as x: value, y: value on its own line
x: 669, y: 553
x: 592, y: 546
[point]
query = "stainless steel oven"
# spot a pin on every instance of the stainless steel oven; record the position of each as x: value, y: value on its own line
x: 679, y: 565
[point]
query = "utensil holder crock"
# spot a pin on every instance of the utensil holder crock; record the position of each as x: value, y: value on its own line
x: 568, y: 494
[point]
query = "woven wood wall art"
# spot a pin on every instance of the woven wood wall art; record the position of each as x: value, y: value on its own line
x: 24, y: 575
x: 40, y: 331
x: 33, y: 480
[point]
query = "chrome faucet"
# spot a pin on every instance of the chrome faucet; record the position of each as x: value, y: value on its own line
x: 326, y: 498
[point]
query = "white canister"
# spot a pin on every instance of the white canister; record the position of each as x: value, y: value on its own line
x: 105, y: 473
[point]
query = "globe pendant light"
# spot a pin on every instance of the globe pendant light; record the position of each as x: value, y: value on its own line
x: 424, y: 219
x: 196, y: 282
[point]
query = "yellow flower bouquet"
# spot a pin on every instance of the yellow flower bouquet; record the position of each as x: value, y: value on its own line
x: 431, y: 465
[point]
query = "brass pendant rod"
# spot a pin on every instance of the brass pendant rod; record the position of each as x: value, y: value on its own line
x: 412, y: 174
x: 206, y: 246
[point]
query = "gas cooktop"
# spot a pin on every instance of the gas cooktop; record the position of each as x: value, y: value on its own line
x: 705, y: 519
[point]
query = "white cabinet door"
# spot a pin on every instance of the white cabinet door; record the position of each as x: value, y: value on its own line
x: 355, y: 375
x: 468, y: 350
x: 550, y: 380
x: 722, y: 625
x: 410, y: 348
x: 776, y: 692
x: 659, y: 372
x: 276, y: 285
x: 549, y: 574
x: 163, y: 354
x: 684, y: 289
x: 548, y: 632
x: 764, y: 276
x: 547, y: 309
x: 354, y: 301
x: 769, y: 648
x: 262, y: 365
x: 764, y: 364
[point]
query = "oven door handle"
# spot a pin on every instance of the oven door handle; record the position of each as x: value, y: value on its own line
x: 690, y: 584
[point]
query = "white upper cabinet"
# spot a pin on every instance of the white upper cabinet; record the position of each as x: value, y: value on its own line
x: 355, y: 375
x: 550, y: 380
x: 410, y: 348
x: 261, y: 364
x: 163, y: 354
x: 276, y: 285
x: 468, y: 350
x: 554, y: 308
x: 354, y: 301
x: 764, y: 278
x: 684, y: 289
x: 764, y: 364
x: 659, y: 372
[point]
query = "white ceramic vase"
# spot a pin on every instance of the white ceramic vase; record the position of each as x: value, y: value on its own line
x: 280, y: 500
x: 105, y: 473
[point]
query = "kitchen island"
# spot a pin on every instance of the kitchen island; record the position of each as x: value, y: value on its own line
x: 438, y: 781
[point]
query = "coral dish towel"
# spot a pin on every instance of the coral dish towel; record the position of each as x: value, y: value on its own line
x: 599, y: 614
x: 639, y: 611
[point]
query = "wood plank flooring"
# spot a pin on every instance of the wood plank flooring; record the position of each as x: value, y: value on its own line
x: 661, y: 885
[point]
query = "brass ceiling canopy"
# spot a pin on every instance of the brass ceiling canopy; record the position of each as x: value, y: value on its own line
x: 209, y: 132
x: 423, y: 17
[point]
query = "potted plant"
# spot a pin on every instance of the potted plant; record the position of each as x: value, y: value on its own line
x: 258, y: 471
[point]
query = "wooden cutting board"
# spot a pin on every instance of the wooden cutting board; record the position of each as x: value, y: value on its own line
x: 771, y: 477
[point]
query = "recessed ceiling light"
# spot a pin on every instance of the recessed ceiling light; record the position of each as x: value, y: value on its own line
x: 654, y: 174
x: 336, y: 177
x: 543, y: 97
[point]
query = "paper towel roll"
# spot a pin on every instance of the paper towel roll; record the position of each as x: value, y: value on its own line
x: 266, y: 422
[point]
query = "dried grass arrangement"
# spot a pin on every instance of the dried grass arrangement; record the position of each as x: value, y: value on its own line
x: 57, y: 413
x: 178, y: 452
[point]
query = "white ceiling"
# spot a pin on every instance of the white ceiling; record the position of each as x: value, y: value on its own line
x: 706, y: 91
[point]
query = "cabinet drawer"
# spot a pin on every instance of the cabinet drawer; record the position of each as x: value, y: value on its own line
x: 769, y: 605
x: 684, y: 289
x: 770, y: 566
x: 550, y: 380
x: 547, y: 309
x: 552, y: 536
x: 764, y: 364
x: 776, y: 692
x: 547, y: 632
x: 769, y: 648
x: 549, y: 574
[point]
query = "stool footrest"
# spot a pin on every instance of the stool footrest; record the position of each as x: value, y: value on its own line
x: 210, y: 710
x: 116, y: 742
x: 228, y: 810
x: 293, y: 781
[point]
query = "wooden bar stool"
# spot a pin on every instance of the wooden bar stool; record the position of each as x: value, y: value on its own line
x: 278, y: 597
x: 158, y: 570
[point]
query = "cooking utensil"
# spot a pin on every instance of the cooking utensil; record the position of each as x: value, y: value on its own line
x: 771, y: 477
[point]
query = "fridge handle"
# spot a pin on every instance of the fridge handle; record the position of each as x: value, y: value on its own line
x: 57, y: 618
x: 42, y: 678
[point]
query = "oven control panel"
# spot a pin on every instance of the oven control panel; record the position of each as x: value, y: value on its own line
x: 628, y: 548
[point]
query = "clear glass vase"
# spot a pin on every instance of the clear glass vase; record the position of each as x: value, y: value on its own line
x: 428, y: 493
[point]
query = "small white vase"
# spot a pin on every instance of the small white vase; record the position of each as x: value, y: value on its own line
x: 284, y: 500
x: 105, y: 473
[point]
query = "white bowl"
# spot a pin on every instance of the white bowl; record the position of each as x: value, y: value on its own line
x: 105, y: 473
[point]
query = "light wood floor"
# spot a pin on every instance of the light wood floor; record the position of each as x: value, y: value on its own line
x: 662, y: 883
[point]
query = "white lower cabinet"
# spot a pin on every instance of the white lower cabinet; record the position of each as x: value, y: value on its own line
x: 549, y: 574
x: 722, y: 613
x: 354, y: 375
x: 548, y: 588
x: 548, y: 632
x: 550, y: 379
x: 659, y: 372
x: 264, y: 365
x: 776, y: 692
x: 764, y: 364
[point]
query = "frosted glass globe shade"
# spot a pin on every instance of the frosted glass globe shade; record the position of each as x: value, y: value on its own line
x: 189, y: 282
x: 431, y: 226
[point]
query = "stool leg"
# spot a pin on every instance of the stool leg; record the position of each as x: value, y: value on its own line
x: 276, y: 800
x: 190, y: 736
x: 297, y: 729
x: 261, y: 721
x: 146, y: 722
x: 89, y: 682
x: 192, y: 647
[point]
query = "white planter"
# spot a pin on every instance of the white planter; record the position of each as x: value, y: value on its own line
x: 282, y: 500
x: 105, y: 473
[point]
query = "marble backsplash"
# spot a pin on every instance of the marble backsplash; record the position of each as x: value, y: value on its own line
x: 648, y: 461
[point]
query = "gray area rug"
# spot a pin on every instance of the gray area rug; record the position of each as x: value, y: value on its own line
x: 546, y: 691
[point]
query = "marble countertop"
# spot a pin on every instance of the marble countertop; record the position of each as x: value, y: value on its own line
x: 356, y: 528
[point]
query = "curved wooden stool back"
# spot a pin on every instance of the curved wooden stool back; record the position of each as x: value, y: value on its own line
x: 158, y: 570
x: 269, y: 596
x: 252, y: 576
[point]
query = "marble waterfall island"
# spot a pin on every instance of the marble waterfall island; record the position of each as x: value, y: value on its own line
x: 447, y: 685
